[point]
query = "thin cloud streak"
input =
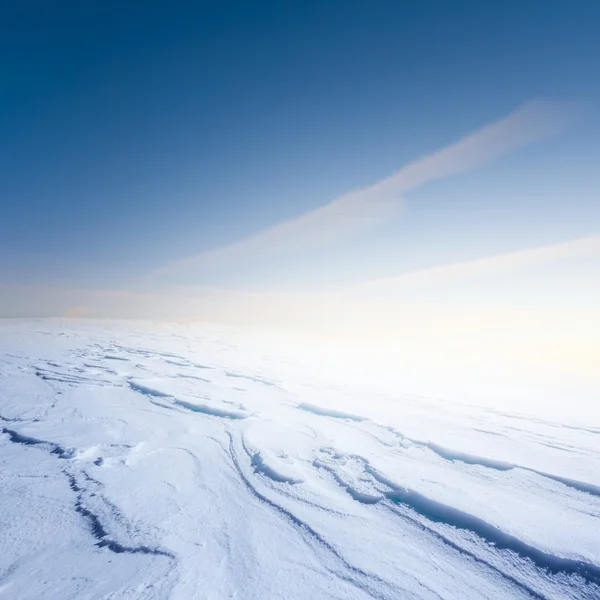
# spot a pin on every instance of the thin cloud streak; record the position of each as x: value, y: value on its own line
x: 501, y: 263
x: 361, y: 210
x: 269, y: 307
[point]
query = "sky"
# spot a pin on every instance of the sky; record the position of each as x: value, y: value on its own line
x: 364, y: 168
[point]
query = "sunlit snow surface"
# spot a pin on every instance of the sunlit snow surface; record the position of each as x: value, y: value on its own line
x: 172, y: 462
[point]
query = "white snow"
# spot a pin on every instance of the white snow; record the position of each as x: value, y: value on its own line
x: 182, y: 461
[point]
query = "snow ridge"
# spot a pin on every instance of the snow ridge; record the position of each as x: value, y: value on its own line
x: 212, y: 471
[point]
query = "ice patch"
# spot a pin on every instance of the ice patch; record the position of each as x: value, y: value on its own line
x: 213, y: 411
x: 147, y: 390
x: 329, y: 412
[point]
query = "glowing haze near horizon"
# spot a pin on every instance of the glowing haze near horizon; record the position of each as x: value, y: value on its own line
x: 418, y: 183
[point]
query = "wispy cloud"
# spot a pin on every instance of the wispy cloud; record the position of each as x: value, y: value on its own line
x: 363, y: 209
x: 490, y: 265
x: 372, y: 306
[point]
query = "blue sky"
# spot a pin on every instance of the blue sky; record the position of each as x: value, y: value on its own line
x: 137, y: 136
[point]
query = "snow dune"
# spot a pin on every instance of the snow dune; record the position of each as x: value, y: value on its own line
x: 170, y: 462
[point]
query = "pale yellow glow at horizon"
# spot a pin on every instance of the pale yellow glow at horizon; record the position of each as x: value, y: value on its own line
x: 382, y: 329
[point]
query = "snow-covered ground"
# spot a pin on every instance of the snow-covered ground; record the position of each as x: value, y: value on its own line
x: 156, y: 461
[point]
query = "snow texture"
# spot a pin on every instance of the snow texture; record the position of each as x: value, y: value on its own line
x: 172, y: 462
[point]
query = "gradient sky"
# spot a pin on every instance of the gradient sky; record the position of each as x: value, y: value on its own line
x: 146, y: 148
